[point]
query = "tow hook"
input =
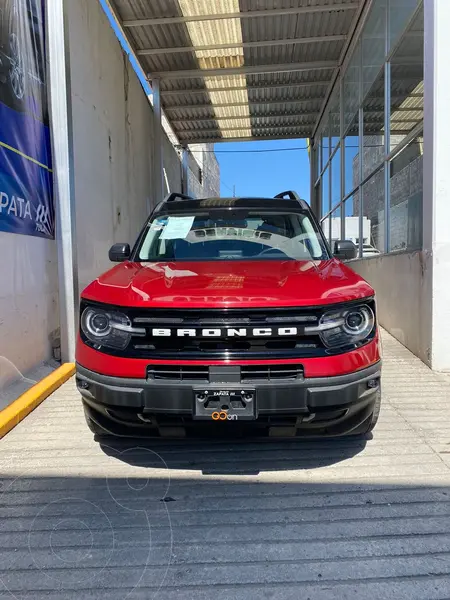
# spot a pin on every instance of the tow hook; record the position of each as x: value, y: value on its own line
x: 145, y: 419
x: 309, y: 418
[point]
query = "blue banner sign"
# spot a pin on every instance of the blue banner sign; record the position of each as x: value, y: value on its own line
x: 26, y: 183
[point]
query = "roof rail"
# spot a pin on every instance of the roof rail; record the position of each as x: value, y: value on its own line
x: 290, y: 194
x: 175, y: 195
x: 294, y: 196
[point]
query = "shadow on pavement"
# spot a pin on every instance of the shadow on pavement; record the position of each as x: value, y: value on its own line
x: 234, y: 457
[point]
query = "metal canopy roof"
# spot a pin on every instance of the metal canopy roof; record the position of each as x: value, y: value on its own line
x: 240, y: 69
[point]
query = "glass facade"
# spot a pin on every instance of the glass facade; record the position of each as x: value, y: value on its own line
x: 368, y: 148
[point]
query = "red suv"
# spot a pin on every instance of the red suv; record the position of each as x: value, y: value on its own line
x: 231, y: 311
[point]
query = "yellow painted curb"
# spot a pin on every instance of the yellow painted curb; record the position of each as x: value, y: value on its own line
x: 27, y: 402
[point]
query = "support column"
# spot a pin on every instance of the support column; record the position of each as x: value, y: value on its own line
x: 185, y: 170
x: 342, y: 142
x: 64, y: 196
x: 158, y: 173
x: 387, y: 135
x: 313, y: 177
x: 436, y: 182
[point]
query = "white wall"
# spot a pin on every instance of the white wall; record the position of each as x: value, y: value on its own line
x: 401, y: 282
x: 436, y: 178
x: 29, y: 310
x: 113, y: 131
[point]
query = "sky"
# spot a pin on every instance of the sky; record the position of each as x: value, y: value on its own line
x: 251, y: 173
x: 256, y: 173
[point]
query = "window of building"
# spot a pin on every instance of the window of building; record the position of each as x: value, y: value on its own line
x: 407, y: 82
x: 318, y: 152
x: 405, y: 211
x: 373, y: 43
x: 373, y: 211
x: 400, y: 12
x: 326, y: 191
x: 325, y: 143
x: 351, y: 87
x: 373, y: 123
x: 335, y: 120
x: 335, y: 227
x: 336, y: 178
x: 351, y: 159
x: 351, y: 218
x: 379, y: 203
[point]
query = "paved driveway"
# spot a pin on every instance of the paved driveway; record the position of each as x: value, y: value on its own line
x: 242, y: 520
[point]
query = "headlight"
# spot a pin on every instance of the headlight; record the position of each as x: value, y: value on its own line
x: 346, y: 326
x: 108, y: 328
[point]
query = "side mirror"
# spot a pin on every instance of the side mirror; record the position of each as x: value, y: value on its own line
x: 345, y: 250
x: 119, y: 252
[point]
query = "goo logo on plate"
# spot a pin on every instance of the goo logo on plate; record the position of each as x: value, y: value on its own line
x: 223, y: 416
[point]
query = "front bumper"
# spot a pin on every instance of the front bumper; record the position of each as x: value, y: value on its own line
x: 331, y: 405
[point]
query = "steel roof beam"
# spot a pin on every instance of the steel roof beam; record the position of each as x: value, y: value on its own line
x: 237, y: 118
x: 237, y: 104
x: 242, y: 88
x: 260, y: 138
x: 274, y: 12
x: 247, y: 70
x: 394, y: 110
x: 261, y: 44
x: 251, y: 88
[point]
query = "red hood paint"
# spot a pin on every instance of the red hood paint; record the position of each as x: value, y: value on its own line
x: 214, y: 284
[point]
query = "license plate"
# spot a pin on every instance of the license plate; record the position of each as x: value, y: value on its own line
x: 225, y: 405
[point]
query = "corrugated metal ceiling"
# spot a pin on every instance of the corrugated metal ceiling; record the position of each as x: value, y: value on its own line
x: 302, y: 41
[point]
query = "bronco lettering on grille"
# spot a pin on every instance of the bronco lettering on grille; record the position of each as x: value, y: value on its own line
x: 242, y: 332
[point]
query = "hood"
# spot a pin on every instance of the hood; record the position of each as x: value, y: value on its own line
x: 228, y: 284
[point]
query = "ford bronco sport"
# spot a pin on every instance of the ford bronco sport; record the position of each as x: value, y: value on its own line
x: 230, y: 311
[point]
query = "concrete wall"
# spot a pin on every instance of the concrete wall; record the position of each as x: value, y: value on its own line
x: 172, y: 168
x: 28, y: 303
x: 113, y: 131
x: 401, y: 282
x: 203, y: 165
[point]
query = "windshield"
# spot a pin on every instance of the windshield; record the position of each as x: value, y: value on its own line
x: 239, y: 235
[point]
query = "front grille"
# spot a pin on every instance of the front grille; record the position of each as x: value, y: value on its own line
x: 271, y: 372
x: 178, y: 373
x: 225, y: 346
